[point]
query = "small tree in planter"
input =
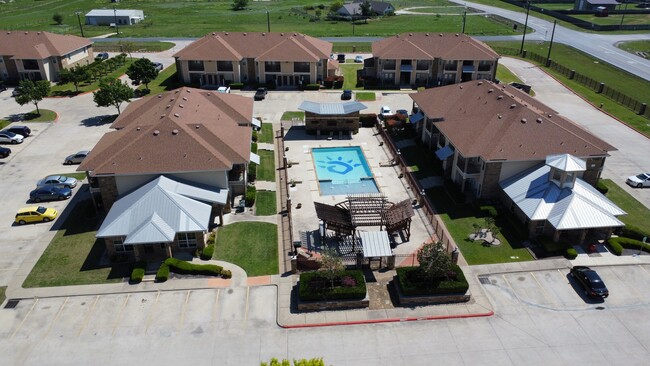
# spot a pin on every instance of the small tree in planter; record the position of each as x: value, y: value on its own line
x: 331, y: 265
x: 434, y: 261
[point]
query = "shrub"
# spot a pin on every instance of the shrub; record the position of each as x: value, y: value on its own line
x: 207, y: 252
x: 254, y: 147
x: 236, y: 86
x: 252, y: 172
x: 312, y: 87
x: 619, y: 243
x: 414, y: 283
x: 138, y: 273
x: 489, y: 210
x: 313, y: 286
x: 551, y: 247
x: 211, y: 238
x: 182, y: 267
x: 163, y: 273
x: 251, y: 192
x: 634, y: 232
x: 368, y: 120
x: 571, y: 253
x: 254, y: 136
x: 226, y: 273
x: 601, y: 187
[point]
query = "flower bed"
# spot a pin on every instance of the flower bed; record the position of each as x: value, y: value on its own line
x: 316, y: 293
x: 413, y: 288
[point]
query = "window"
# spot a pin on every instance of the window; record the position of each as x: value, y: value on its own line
x: 301, y: 67
x: 389, y: 64
x: 484, y: 65
x: 272, y: 66
x: 118, y: 244
x: 451, y: 65
x: 388, y: 78
x: 186, y: 240
x: 30, y: 65
x: 423, y: 65
x: 195, y: 65
x: 224, y: 65
x: 557, y: 174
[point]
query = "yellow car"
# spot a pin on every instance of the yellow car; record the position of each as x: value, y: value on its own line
x: 35, y: 214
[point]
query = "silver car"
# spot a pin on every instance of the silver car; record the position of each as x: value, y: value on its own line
x: 10, y: 137
x: 76, y: 158
x: 639, y: 181
x: 57, y: 181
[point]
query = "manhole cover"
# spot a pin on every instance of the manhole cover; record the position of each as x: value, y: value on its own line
x: 484, y: 280
x: 11, y: 304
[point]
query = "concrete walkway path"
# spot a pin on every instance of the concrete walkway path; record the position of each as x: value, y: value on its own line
x: 262, y: 185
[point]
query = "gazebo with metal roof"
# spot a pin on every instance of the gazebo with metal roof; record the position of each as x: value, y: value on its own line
x: 330, y: 118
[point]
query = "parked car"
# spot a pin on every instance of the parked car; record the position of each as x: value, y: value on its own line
x: 76, y: 158
x: 57, y: 181
x: 10, y: 137
x: 591, y: 281
x: 50, y: 193
x: 385, y: 111
x: 260, y: 94
x: 358, y: 59
x: 158, y: 66
x: 340, y: 58
x: 15, y: 92
x: 24, y: 131
x: 347, y: 95
x: 4, y: 152
x: 223, y: 89
x: 639, y: 181
x: 35, y: 214
x: 402, y: 112
x: 101, y: 56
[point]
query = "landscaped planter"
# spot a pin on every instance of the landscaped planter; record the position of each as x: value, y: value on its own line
x: 422, y: 293
x: 333, y: 305
x: 429, y: 299
x: 314, y: 292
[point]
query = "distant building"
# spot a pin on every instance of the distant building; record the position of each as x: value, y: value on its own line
x: 114, y: 16
x: 376, y: 8
x: 595, y: 4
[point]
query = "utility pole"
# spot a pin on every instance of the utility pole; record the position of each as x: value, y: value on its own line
x: 117, y: 30
x: 268, y: 22
x: 464, y: 18
x: 79, y: 19
x: 623, y: 17
x: 548, y: 57
x: 521, y: 49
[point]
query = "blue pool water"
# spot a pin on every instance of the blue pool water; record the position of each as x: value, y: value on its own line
x: 343, y: 170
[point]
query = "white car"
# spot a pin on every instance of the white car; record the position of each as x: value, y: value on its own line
x: 358, y: 59
x: 385, y: 111
x: 639, y: 181
x: 10, y: 137
x: 223, y: 89
x: 57, y: 181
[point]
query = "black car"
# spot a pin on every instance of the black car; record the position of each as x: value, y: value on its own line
x: 347, y: 95
x: 260, y: 94
x: 101, y: 56
x: 340, y: 58
x: 4, y: 152
x: 50, y: 193
x: 24, y: 131
x: 591, y: 281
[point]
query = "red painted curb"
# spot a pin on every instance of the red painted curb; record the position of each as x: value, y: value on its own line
x: 390, y: 320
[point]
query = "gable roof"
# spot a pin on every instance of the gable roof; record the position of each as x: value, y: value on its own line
x: 116, y: 12
x: 500, y: 122
x: 155, y: 212
x: 331, y: 108
x: 429, y: 46
x: 566, y: 163
x: 273, y: 46
x: 181, y: 130
x: 38, y: 45
x: 577, y: 207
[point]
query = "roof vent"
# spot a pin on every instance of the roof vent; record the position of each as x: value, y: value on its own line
x: 523, y: 120
x: 499, y: 116
x: 539, y: 120
x: 295, y: 34
x: 174, y: 132
x: 244, y: 34
x: 456, y: 34
x: 226, y: 33
x: 263, y: 34
x: 196, y: 126
x: 562, y: 143
x: 156, y: 132
x: 162, y: 116
x: 39, y: 33
x: 426, y: 34
x: 512, y: 105
x: 440, y: 34
x: 137, y: 128
x: 214, y: 34
x: 410, y: 34
x: 26, y: 32
x: 184, y: 98
x: 159, y: 95
x: 181, y: 106
x: 176, y: 115
x: 500, y: 97
x: 167, y: 106
x: 490, y: 90
x: 209, y: 93
x: 282, y: 34
x: 549, y: 115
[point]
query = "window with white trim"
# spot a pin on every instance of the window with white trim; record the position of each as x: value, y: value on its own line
x: 118, y: 244
x: 186, y: 240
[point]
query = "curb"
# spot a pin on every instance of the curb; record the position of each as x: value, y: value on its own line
x: 390, y: 320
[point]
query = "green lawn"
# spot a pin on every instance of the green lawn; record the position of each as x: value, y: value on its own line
x: 506, y: 76
x: 365, y: 96
x: 359, y: 47
x: 45, y: 116
x: 290, y: 115
x: 614, y: 19
x: 637, y: 214
x: 266, y: 169
x: 636, y: 46
x: 4, y: 123
x: 166, y: 80
x: 265, y: 203
x: 252, y: 246
x: 349, y: 71
x: 266, y: 134
x: 72, y: 255
x: 138, y: 46
x: 69, y: 89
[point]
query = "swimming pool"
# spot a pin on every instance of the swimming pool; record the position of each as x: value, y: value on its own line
x: 343, y: 170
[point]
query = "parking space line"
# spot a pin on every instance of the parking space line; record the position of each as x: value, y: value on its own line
x: 25, y: 318
x: 643, y: 268
x: 248, y: 290
x: 511, y: 289
x: 545, y: 293
x: 151, y: 311
x: 56, y: 317
x: 92, y: 308
x: 119, y: 315
x: 183, y: 310
x: 626, y: 281
x: 216, y: 306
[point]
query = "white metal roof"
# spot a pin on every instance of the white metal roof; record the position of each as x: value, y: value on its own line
x: 257, y: 123
x: 580, y: 207
x: 375, y: 244
x: 255, y: 158
x: 110, y: 12
x: 331, y: 108
x: 566, y: 162
x: 155, y: 212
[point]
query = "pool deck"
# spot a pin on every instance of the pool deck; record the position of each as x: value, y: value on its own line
x: 306, y: 191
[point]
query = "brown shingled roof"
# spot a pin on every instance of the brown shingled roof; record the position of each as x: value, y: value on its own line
x: 178, y: 131
x: 235, y: 46
x: 423, y: 46
x: 499, y: 122
x: 38, y: 45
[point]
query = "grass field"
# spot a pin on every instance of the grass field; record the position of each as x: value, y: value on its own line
x: 69, y: 89
x: 290, y: 115
x: 349, y: 71
x: 637, y: 214
x: 365, y: 96
x: 138, y: 46
x: 636, y: 46
x: 169, y: 18
x: 266, y: 169
x: 265, y: 203
x: 252, y: 246
x: 615, y: 19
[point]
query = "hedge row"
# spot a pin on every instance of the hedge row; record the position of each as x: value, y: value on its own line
x: 618, y: 244
x: 251, y: 192
x: 368, y: 120
x: 312, y: 87
x: 413, y: 283
x: 183, y: 267
x: 163, y: 273
x: 634, y: 232
x: 137, y: 275
x: 313, y: 286
x: 207, y: 252
x: 601, y: 187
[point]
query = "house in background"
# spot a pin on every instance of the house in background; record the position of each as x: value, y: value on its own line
x: 174, y: 162
x: 596, y: 5
x: 376, y: 8
x: 283, y: 59
x: 28, y: 55
x: 114, y: 16
x: 429, y: 59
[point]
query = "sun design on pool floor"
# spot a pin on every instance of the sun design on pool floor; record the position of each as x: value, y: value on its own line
x: 338, y: 166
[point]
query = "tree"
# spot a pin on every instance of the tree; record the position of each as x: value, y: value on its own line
x: 434, y: 261
x: 239, y: 4
x: 32, y: 92
x: 366, y: 9
x: 142, y: 71
x: 57, y: 18
x: 112, y: 93
x: 331, y: 265
x: 77, y: 75
x: 127, y: 47
x: 335, y: 6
